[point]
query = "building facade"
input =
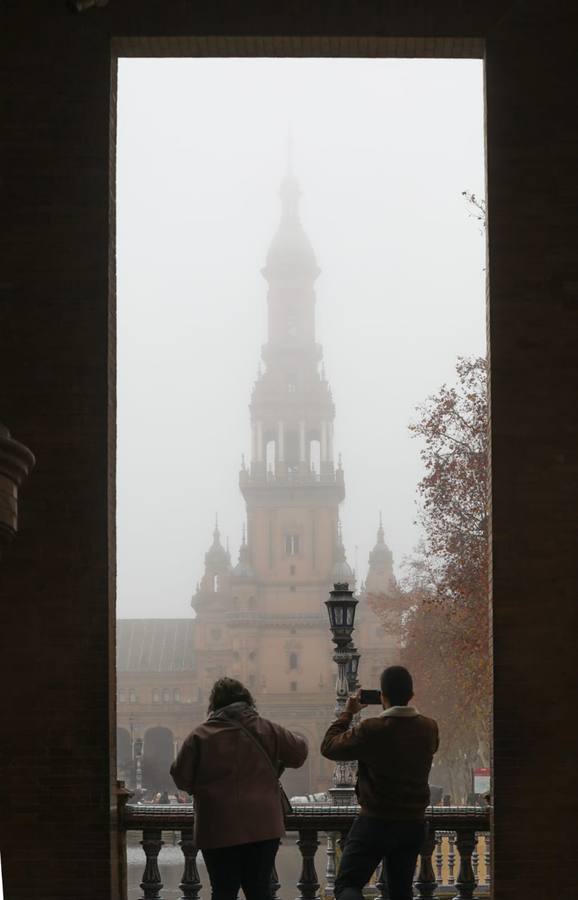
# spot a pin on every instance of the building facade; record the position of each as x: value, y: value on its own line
x: 263, y: 619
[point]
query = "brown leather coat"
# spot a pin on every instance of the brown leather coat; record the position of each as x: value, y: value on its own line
x: 235, y: 791
x: 395, y: 752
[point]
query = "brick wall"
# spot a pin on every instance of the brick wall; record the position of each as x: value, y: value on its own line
x: 56, y: 582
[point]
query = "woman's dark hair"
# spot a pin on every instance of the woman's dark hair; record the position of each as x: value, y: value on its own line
x: 226, y: 691
x: 397, y: 685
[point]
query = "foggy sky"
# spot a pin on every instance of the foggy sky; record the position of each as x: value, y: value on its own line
x: 382, y: 150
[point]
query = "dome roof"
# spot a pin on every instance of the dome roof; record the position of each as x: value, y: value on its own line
x: 217, y: 558
x: 341, y: 572
x: 290, y: 252
x: 381, y: 551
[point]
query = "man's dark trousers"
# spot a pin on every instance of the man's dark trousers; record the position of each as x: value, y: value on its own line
x: 371, y: 840
x: 247, y: 866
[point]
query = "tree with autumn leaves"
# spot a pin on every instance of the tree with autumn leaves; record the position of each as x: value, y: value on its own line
x: 443, y: 598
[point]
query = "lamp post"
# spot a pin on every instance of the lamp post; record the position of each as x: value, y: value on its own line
x: 341, y: 610
x: 138, y: 745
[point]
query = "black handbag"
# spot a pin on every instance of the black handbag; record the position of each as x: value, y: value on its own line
x: 285, y: 801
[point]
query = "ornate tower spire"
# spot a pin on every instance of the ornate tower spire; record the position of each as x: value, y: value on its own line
x: 243, y: 569
x: 380, y: 572
x: 292, y: 410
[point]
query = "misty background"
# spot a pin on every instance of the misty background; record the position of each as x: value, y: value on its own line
x: 383, y: 150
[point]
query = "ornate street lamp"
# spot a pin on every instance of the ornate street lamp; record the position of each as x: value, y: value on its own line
x: 353, y: 669
x: 341, y: 607
x: 341, y: 610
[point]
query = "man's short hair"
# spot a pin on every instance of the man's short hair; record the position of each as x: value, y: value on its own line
x: 226, y: 691
x: 397, y: 685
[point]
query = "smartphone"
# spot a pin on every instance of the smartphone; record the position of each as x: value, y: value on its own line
x: 370, y: 698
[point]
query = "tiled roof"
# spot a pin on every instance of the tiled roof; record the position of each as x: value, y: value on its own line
x: 154, y: 645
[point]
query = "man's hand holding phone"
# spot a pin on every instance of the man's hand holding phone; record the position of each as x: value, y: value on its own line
x: 354, y: 704
x: 357, y: 702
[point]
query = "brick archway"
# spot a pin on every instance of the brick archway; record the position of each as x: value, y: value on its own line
x: 57, y: 375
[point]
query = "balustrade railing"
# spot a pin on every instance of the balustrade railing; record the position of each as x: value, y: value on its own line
x: 454, y: 861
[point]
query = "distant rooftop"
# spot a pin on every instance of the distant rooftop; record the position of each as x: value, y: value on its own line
x: 154, y: 645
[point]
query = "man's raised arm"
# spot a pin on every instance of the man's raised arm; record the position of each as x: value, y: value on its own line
x: 341, y: 742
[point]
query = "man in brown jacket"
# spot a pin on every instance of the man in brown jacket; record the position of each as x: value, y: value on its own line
x: 394, y: 751
x: 230, y: 764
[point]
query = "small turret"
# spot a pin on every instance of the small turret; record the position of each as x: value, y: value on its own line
x: 243, y: 568
x: 380, y: 573
x: 217, y: 558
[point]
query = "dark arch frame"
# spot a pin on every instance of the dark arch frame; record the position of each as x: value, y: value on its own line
x: 57, y: 373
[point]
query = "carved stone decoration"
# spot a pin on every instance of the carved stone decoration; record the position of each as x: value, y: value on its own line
x: 151, y: 883
x: 466, y: 881
x: 190, y: 882
x: 439, y: 856
x: 451, y: 857
x: 426, y: 883
x: 308, y: 883
x: 16, y: 461
x: 330, y: 868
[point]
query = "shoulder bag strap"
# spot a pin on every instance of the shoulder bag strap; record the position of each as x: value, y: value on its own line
x: 285, y: 802
x: 256, y: 741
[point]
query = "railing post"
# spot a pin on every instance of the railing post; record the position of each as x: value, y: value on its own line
x: 476, y: 860
x: 488, y: 860
x: 275, y: 883
x: 451, y: 857
x: 122, y: 797
x: 331, y: 867
x: 190, y: 882
x: 465, y: 882
x: 342, y: 840
x: 426, y: 883
x: 151, y: 880
x: 381, y: 883
x: 308, y: 884
x: 439, y: 856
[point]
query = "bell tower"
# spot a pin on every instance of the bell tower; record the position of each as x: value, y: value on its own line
x: 292, y: 487
x: 264, y: 620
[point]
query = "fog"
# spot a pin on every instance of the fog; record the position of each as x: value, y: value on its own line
x: 383, y: 150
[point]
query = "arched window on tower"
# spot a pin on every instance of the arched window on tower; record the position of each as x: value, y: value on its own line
x: 291, y: 544
x: 270, y: 450
x: 292, y: 451
x: 293, y: 661
x: 315, y: 455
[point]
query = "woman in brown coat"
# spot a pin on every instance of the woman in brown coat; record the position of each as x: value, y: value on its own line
x: 238, y: 810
